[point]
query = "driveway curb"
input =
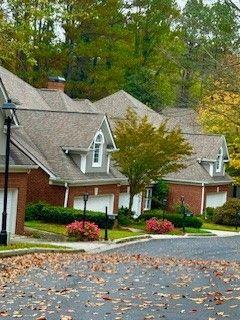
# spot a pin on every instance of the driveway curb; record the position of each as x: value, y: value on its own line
x: 21, y: 252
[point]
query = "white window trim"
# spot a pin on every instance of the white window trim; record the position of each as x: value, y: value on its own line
x: 148, y: 199
x: 99, y: 163
x: 219, y: 163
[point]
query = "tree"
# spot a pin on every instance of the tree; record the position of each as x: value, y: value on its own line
x: 146, y: 153
x: 220, y: 113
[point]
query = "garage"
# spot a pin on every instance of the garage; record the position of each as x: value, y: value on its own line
x: 11, y: 209
x: 96, y: 203
x: 215, y: 199
x: 137, y: 202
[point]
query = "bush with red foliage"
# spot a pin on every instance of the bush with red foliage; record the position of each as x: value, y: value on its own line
x: 90, y: 232
x: 159, y: 226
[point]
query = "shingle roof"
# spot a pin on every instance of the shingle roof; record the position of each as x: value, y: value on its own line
x: 22, y: 93
x: 17, y: 158
x: 44, y: 133
x: 58, y: 101
x: 116, y: 105
x: 185, y: 118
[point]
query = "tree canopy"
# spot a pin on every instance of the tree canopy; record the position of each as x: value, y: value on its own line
x: 146, y: 153
x: 161, y: 54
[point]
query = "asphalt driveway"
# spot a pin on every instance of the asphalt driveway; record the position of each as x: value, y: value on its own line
x: 210, y: 248
x: 137, y: 282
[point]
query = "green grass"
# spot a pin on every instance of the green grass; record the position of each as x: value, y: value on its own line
x: 61, y: 229
x: 178, y: 231
x: 213, y: 226
x: 49, y: 227
x: 28, y: 245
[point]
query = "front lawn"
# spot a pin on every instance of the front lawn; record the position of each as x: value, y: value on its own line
x: 14, y: 246
x: 213, y: 226
x: 61, y: 229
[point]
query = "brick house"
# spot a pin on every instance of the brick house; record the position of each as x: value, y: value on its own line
x: 61, y: 149
x: 204, y: 182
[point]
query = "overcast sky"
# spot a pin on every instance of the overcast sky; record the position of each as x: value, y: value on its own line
x: 182, y: 2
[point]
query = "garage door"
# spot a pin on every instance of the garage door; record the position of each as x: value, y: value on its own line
x: 11, y: 210
x: 214, y: 200
x: 124, y: 202
x: 96, y: 203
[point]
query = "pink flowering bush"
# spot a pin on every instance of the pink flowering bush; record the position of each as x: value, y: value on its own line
x: 159, y: 226
x: 90, y: 232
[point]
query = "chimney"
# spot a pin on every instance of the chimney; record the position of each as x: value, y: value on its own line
x: 57, y: 83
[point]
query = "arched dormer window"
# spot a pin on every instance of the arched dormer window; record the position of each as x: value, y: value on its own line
x: 98, y: 150
x: 219, y: 163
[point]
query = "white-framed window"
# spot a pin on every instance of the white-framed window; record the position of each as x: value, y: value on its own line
x: 98, y: 150
x: 219, y: 163
x: 148, y: 199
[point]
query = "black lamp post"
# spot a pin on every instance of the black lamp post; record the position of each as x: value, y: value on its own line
x: 8, y: 107
x: 183, y: 212
x: 164, y: 203
x: 85, y: 199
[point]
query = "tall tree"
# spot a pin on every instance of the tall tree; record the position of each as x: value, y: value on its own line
x: 96, y: 46
x: 209, y: 32
x: 148, y: 155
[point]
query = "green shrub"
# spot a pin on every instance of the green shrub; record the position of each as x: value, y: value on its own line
x: 209, y: 212
x: 124, y: 218
x: 60, y: 215
x: 228, y: 213
x: 175, y: 218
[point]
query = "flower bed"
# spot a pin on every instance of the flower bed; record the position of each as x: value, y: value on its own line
x: 159, y: 226
x: 88, y: 231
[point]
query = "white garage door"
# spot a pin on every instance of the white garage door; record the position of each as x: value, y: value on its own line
x: 96, y: 203
x: 216, y: 199
x: 11, y: 210
x: 137, y: 202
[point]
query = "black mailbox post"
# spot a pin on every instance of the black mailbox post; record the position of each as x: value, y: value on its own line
x: 107, y: 216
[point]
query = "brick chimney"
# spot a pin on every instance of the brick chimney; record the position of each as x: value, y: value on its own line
x: 57, y: 83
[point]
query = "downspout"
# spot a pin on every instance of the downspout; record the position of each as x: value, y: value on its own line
x: 66, y: 195
x: 203, y: 198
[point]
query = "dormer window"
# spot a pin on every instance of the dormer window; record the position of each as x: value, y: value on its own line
x: 219, y: 162
x: 98, y: 150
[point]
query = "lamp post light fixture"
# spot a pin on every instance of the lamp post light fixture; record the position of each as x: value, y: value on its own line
x: 7, y: 107
x: 183, y: 212
x: 85, y: 199
x: 164, y: 203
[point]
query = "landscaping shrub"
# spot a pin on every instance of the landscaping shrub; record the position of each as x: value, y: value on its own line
x: 209, y: 212
x: 124, y: 218
x: 90, y: 231
x: 60, y: 215
x: 159, y: 226
x: 228, y: 213
x: 175, y: 218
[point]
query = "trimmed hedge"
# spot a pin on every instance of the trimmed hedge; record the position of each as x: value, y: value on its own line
x: 228, y: 213
x: 175, y: 218
x: 53, y: 214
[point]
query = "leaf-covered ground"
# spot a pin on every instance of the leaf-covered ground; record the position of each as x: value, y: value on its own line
x: 117, y: 286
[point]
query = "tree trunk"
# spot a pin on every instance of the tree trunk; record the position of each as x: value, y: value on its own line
x: 130, y: 203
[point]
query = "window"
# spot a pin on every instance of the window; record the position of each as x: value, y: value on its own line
x: 98, y: 150
x: 148, y: 199
x: 219, y: 162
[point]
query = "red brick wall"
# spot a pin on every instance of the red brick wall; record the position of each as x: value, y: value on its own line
x: 192, y: 196
x: 19, y: 181
x: 103, y: 189
x: 39, y: 189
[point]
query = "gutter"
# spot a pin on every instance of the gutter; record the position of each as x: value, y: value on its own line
x: 203, y: 198
x: 66, y: 195
x: 20, y: 167
x: 86, y: 182
x: 198, y: 182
